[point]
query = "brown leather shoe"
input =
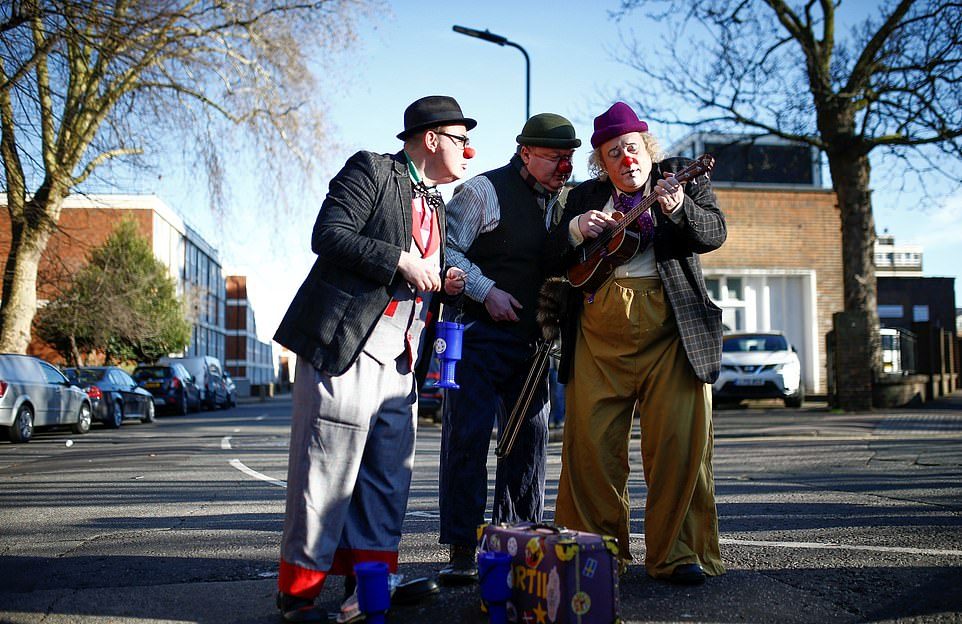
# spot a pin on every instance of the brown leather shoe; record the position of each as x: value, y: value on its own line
x: 297, y: 609
x: 462, y: 568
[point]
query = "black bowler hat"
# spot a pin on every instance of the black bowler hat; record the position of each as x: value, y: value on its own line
x: 433, y: 111
x: 548, y: 130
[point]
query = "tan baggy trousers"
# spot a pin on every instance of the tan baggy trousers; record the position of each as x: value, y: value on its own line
x: 629, y: 358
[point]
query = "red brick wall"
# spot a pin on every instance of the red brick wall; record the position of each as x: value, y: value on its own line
x: 785, y: 229
x: 79, y: 231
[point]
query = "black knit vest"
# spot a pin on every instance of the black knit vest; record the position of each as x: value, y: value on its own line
x: 511, y: 253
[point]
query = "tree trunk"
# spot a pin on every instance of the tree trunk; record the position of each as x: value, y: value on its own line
x: 30, y: 233
x: 20, y: 288
x: 850, y: 177
x: 75, y: 352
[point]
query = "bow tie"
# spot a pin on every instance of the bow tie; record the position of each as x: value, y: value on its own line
x: 431, y: 195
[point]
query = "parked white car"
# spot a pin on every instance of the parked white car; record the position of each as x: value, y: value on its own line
x: 761, y: 365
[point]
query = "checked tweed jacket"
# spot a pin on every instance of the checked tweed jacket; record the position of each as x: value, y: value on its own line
x: 360, y: 231
x: 677, y: 246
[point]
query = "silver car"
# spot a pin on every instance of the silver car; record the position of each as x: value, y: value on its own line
x: 34, y: 393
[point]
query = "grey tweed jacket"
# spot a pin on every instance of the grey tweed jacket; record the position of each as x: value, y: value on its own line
x: 360, y: 231
x: 677, y: 246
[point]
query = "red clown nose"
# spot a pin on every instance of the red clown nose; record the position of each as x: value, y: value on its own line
x: 628, y: 161
x: 564, y: 167
x: 469, y: 152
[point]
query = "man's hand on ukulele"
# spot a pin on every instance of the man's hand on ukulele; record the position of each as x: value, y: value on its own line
x: 671, y: 193
x: 500, y: 305
x: 594, y: 222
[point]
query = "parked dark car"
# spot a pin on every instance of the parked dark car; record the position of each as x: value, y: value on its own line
x: 231, y: 388
x: 171, y: 385
x: 207, y: 373
x: 34, y: 393
x: 114, y: 395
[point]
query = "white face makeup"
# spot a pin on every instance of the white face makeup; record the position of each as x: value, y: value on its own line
x: 627, y: 162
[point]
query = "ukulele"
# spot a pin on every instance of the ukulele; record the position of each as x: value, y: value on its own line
x: 598, y: 258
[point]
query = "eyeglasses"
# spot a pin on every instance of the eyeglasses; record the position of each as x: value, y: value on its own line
x: 459, y: 139
x: 557, y: 159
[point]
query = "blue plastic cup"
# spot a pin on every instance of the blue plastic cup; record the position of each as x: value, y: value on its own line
x: 494, y: 574
x: 447, y: 346
x: 373, y: 594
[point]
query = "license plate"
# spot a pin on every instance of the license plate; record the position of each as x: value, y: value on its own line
x: 152, y: 384
x: 158, y: 401
x: 749, y: 381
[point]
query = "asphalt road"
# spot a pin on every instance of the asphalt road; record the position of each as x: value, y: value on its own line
x: 824, y: 518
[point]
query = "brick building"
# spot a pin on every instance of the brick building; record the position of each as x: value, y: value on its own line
x: 87, y: 221
x: 780, y: 269
x: 781, y: 266
x: 249, y: 360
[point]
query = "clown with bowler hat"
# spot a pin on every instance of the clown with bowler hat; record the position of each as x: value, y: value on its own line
x: 498, y: 225
x: 356, y: 325
x: 647, y: 341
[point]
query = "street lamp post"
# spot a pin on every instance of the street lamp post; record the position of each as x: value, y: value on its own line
x: 487, y: 35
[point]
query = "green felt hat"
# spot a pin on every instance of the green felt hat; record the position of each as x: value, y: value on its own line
x: 548, y: 130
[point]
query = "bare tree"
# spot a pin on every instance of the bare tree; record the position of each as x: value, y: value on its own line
x: 890, y: 83
x: 84, y: 83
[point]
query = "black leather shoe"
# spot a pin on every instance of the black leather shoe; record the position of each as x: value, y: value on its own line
x: 687, y: 574
x: 414, y: 591
x: 462, y: 569
x: 296, y: 609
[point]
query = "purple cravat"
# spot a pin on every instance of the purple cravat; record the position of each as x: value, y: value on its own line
x: 646, y: 225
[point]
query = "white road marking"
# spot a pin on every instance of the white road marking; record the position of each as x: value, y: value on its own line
x: 225, y: 443
x: 815, y: 545
x: 236, y: 463
x: 831, y: 546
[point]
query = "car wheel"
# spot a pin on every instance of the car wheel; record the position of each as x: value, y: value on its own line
x: 116, y: 415
x: 82, y: 425
x: 22, y: 428
x: 796, y: 399
x: 149, y: 414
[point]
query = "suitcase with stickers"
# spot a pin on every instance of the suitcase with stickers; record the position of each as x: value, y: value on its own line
x: 558, y: 576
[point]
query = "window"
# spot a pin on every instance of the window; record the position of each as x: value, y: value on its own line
x: 890, y: 311
x: 714, y: 288
x: 52, y: 374
x: 734, y: 285
x: 728, y: 293
x: 920, y: 313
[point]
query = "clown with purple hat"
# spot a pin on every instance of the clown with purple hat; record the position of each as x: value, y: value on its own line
x: 646, y: 340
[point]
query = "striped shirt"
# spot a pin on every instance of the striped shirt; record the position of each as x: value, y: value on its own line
x: 474, y: 210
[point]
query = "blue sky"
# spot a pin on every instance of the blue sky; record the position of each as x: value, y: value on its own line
x: 412, y: 51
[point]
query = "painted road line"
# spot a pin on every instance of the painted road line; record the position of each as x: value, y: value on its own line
x: 937, y: 552
x: 239, y: 465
